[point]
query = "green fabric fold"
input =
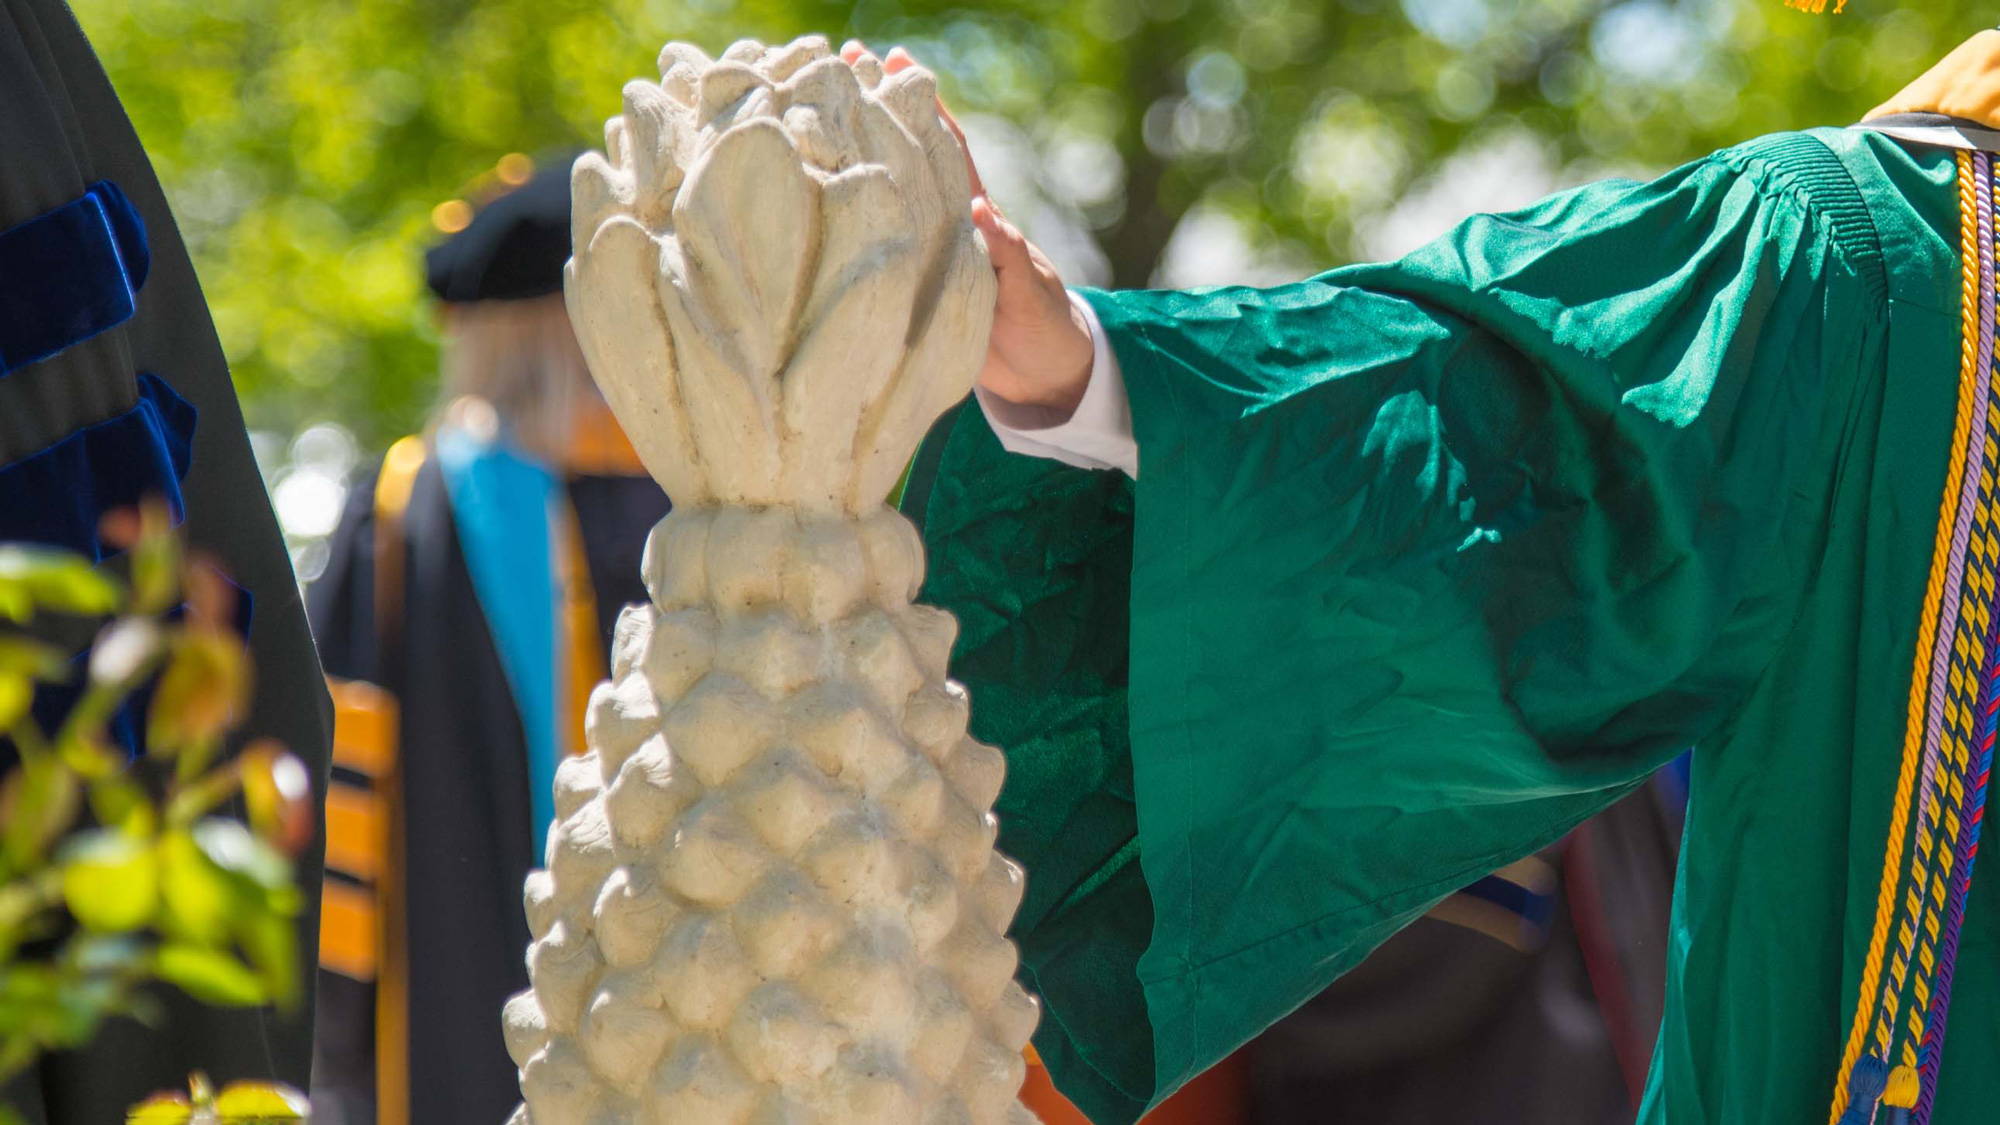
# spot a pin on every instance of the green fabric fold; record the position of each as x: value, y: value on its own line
x: 1427, y: 562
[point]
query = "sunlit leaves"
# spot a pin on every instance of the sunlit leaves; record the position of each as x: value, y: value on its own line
x: 37, y: 802
x: 209, y: 975
x: 197, y: 895
x: 239, y: 1103
x: 162, y: 1109
x: 58, y: 1002
x: 122, y: 803
x: 16, y: 693
x: 255, y: 1103
x: 33, y: 578
x: 261, y: 872
x: 110, y: 881
x: 204, y: 687
x: 225, y: 888
x: 279, y: 794
x: 158, y: 888
x: 31, y: 659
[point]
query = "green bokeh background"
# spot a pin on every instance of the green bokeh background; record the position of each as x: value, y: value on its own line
x: 304, y: 143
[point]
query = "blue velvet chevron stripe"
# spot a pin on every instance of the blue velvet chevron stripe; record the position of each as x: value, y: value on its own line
x: 57, y: 496
x: 69, y: 274
x: 66, y: 276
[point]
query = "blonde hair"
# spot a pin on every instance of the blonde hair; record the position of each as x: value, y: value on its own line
x: 522, y: 359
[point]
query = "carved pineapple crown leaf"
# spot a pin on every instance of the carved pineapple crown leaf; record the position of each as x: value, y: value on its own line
x: 775, y: 280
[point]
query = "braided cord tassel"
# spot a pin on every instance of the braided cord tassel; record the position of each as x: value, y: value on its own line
x: 1928, y: 636
x: 1967, y: 852
x: 1955, y: 667
x: 1942, y: 803
x: 1984, y: 736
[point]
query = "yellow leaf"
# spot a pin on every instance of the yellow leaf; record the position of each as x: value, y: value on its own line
x: 259, y: 1103
x: 38, y: 802
x: 278, y: 793
x: 57, y: 580
x: 111, y: 882
x: 201, y: 692
x: 25, y: 656
x: 16, y: 692
x: 161, y: 1109
x: 196, y: 896
x: 210, y: 976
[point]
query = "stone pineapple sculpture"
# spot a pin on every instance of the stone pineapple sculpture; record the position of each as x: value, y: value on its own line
x: 772, y: 895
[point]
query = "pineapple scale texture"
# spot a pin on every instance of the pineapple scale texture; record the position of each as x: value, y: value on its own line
x: 771, y: 896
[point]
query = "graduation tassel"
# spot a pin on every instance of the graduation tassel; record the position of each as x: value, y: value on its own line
x: 1900, y: 1095
x: 1865, y: 1084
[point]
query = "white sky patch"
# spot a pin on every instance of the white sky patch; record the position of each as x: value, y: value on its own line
x: 1348, y: 158
x: 308, y: 502
x: 1502, y: 172
x: 1016, y: 176
x: 1647, y: 41
x: 1211, y: 247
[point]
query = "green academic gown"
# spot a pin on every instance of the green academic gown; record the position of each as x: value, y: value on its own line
x: 1428, y: 561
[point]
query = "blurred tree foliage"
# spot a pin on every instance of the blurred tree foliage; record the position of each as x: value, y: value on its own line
x: 305, y: 143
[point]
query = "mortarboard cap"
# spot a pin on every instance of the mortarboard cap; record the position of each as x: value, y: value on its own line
x: 514, y: 247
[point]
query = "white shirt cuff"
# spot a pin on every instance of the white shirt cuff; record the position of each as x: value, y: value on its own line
x: 1097, y: 435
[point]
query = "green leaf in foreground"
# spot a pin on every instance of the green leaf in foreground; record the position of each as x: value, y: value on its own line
x: 54, y: 580
x: 209, y: 975
x: 16, y: 693
x: 111, y: 881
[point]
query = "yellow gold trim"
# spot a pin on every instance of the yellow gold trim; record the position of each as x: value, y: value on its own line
x: 392, y: 993
x: 598, y: 445
x: 576, y: 625
x: 347, y: 931
x: 1491, y: 919
x: 355, y: 832
x: 364, y: 727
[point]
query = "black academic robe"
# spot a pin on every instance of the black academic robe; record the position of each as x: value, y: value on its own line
x: 61, y: 131
x: 1445, y: 1022
x: 465, y: 788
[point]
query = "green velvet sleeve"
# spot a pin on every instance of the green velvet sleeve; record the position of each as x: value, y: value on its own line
x: 1426, y: 562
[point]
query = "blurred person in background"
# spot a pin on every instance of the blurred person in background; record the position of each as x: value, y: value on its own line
x: 1534, y: 994
x: 113, y: 389
x: 463, y: 619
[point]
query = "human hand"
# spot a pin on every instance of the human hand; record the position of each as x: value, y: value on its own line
x: 1040, y: 351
